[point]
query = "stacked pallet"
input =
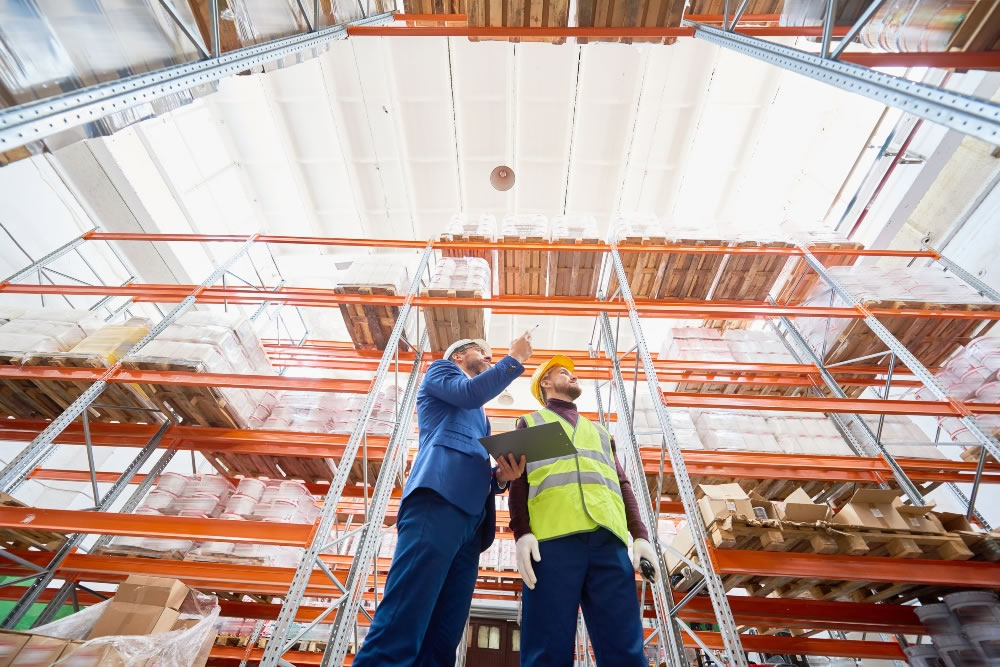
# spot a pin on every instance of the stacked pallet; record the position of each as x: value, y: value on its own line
x: 23, y: 539
x: 474, y: 229
x: 370, y: 326
x: 931, y: 340
x: 573, y: 273
x: 207, y: 342
x: 873, y: 523
x: 519, y: 14
x: 799, y: 280
x: 522, y: 272
x: 434, y: 6
x: 463, y: 278
x: 619, y: 13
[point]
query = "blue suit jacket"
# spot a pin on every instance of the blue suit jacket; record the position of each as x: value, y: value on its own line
x: 450, y: 460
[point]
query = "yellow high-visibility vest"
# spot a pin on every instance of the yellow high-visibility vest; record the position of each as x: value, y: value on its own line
x: 578, y: 492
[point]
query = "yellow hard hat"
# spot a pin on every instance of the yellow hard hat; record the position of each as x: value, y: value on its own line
x: 536, y: 378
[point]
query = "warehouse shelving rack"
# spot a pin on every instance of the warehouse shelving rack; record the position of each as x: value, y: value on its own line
x: 358, y: 577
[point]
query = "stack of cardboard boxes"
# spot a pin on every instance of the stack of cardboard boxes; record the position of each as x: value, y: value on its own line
x: 143, y: 607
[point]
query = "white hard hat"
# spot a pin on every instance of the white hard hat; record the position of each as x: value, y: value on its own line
x: 468, y: 341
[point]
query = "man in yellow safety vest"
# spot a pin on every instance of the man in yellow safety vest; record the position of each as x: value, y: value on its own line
x: 572, y: 517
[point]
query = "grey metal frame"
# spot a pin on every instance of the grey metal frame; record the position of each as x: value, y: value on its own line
x: 39, y: 119
x: 290, y: 604
x: 734, y: 653
x: 968, y: 115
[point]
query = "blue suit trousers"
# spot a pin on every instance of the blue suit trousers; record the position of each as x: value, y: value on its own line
x: 590, y: 570
x: 429, y: 589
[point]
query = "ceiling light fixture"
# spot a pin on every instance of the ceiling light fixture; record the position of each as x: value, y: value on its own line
x: 502, y: 178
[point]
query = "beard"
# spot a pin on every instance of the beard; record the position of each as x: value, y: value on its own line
x: 478, y: 367
x: 573, y: 391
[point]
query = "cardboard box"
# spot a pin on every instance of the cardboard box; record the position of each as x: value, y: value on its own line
x: 40, y: 652
x: 100, y: 655
x: 682, y: 542
x: 763, y: 509
x: 920, y: 519
x: 954, y: 523
x: 11, y: 644
x: 874, y: 508
x: 798, y: 506
x: 719, y: 501
x: 142, y: 606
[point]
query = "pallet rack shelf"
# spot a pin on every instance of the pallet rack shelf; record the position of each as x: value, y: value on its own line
x: 360, y: 575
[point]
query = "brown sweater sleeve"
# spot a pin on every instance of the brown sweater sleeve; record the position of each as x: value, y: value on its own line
x: 517, y: 501
x: 632, y: 517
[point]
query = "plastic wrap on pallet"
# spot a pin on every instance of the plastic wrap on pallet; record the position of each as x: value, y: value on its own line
x: 9, y: 313
x: 242, y: 329
x: 113, y: 341
x: 526, y: 225
x: 462, y: 273
x: 766, y: 431
x: 873, y: 284
x: 635, y: 225
x: 901, y: 437
x: 646, y: 425
x: 574, y: 228
x: 259, y: 21
x: 328, y: 412
x: 464, y: 225
x: 54, y: 46
x: 385, y: 272
x: 198, y: 615
x: 915, y: 25
x: 47, y: 330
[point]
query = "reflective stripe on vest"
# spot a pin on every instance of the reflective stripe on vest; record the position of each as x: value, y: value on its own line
x: 577, y: 492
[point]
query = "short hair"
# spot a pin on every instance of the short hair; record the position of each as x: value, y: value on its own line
x: 467, y: 346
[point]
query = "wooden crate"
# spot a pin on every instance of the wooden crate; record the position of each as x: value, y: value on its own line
x: 573, y: 273
x: 195, y: 406
x: 643, y: 269
x: 523, y: 272
x: 487, y: 255
x: 931, y: 340
x: 519, y: 14
x: 434, y: 6
x: 22, y: 539
x: 800, y: 279
x: 446, y: 325
x: 630, y: 13
x: 826, y: 538
x: 22, y: 399
x: 61, y: 393
x: 370, y: 326
x: 307, y: 469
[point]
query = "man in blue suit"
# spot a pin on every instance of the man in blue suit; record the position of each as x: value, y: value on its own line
x: 447, y: 516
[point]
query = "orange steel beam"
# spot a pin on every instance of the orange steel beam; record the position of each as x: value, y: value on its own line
x: 494, y: 245
x: 700, y: 462
x: 543, y: 31
x: 700, y: 18
x: 986, y: 60
x: 850, y: 648
x: 838, y: 567
x: 142, y: 525
x: 581, y: 307
x: 814, y: 404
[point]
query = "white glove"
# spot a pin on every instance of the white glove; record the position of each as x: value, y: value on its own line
x: 641, y: 549
x: 527, y: 548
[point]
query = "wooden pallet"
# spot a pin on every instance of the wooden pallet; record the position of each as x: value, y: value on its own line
x: 237, y: 641
x: 195, y: 406
x: 769, y: 489
x: 61, y: 393
x: 226, y: 558
x: 519, y: 14
x: 826, y: 538
x: 749, y: 277
x: 800, y: 278
x: 139, y: 552
x: 487, y: 255
x: 446, y: 325
x: 14, y: 539
x: 643, y: 269
x: 625, y: 13
x: 307, y: 469
x: 434, y: 6
x: 574, y: 273
x: 23, y: 399
x: 523, y: 272
x: 369, y: 326
x: 980, y: 31
x: 931, y: 340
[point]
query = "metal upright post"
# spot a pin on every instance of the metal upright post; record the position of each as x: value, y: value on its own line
x: 629, y: 451
x: 340, y: 636
x: 717, y: 592
x: 274, y: 650
x: 904, y: 355
x: 44, y: 260
x: 41, y: 446
x: 33, y: 592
